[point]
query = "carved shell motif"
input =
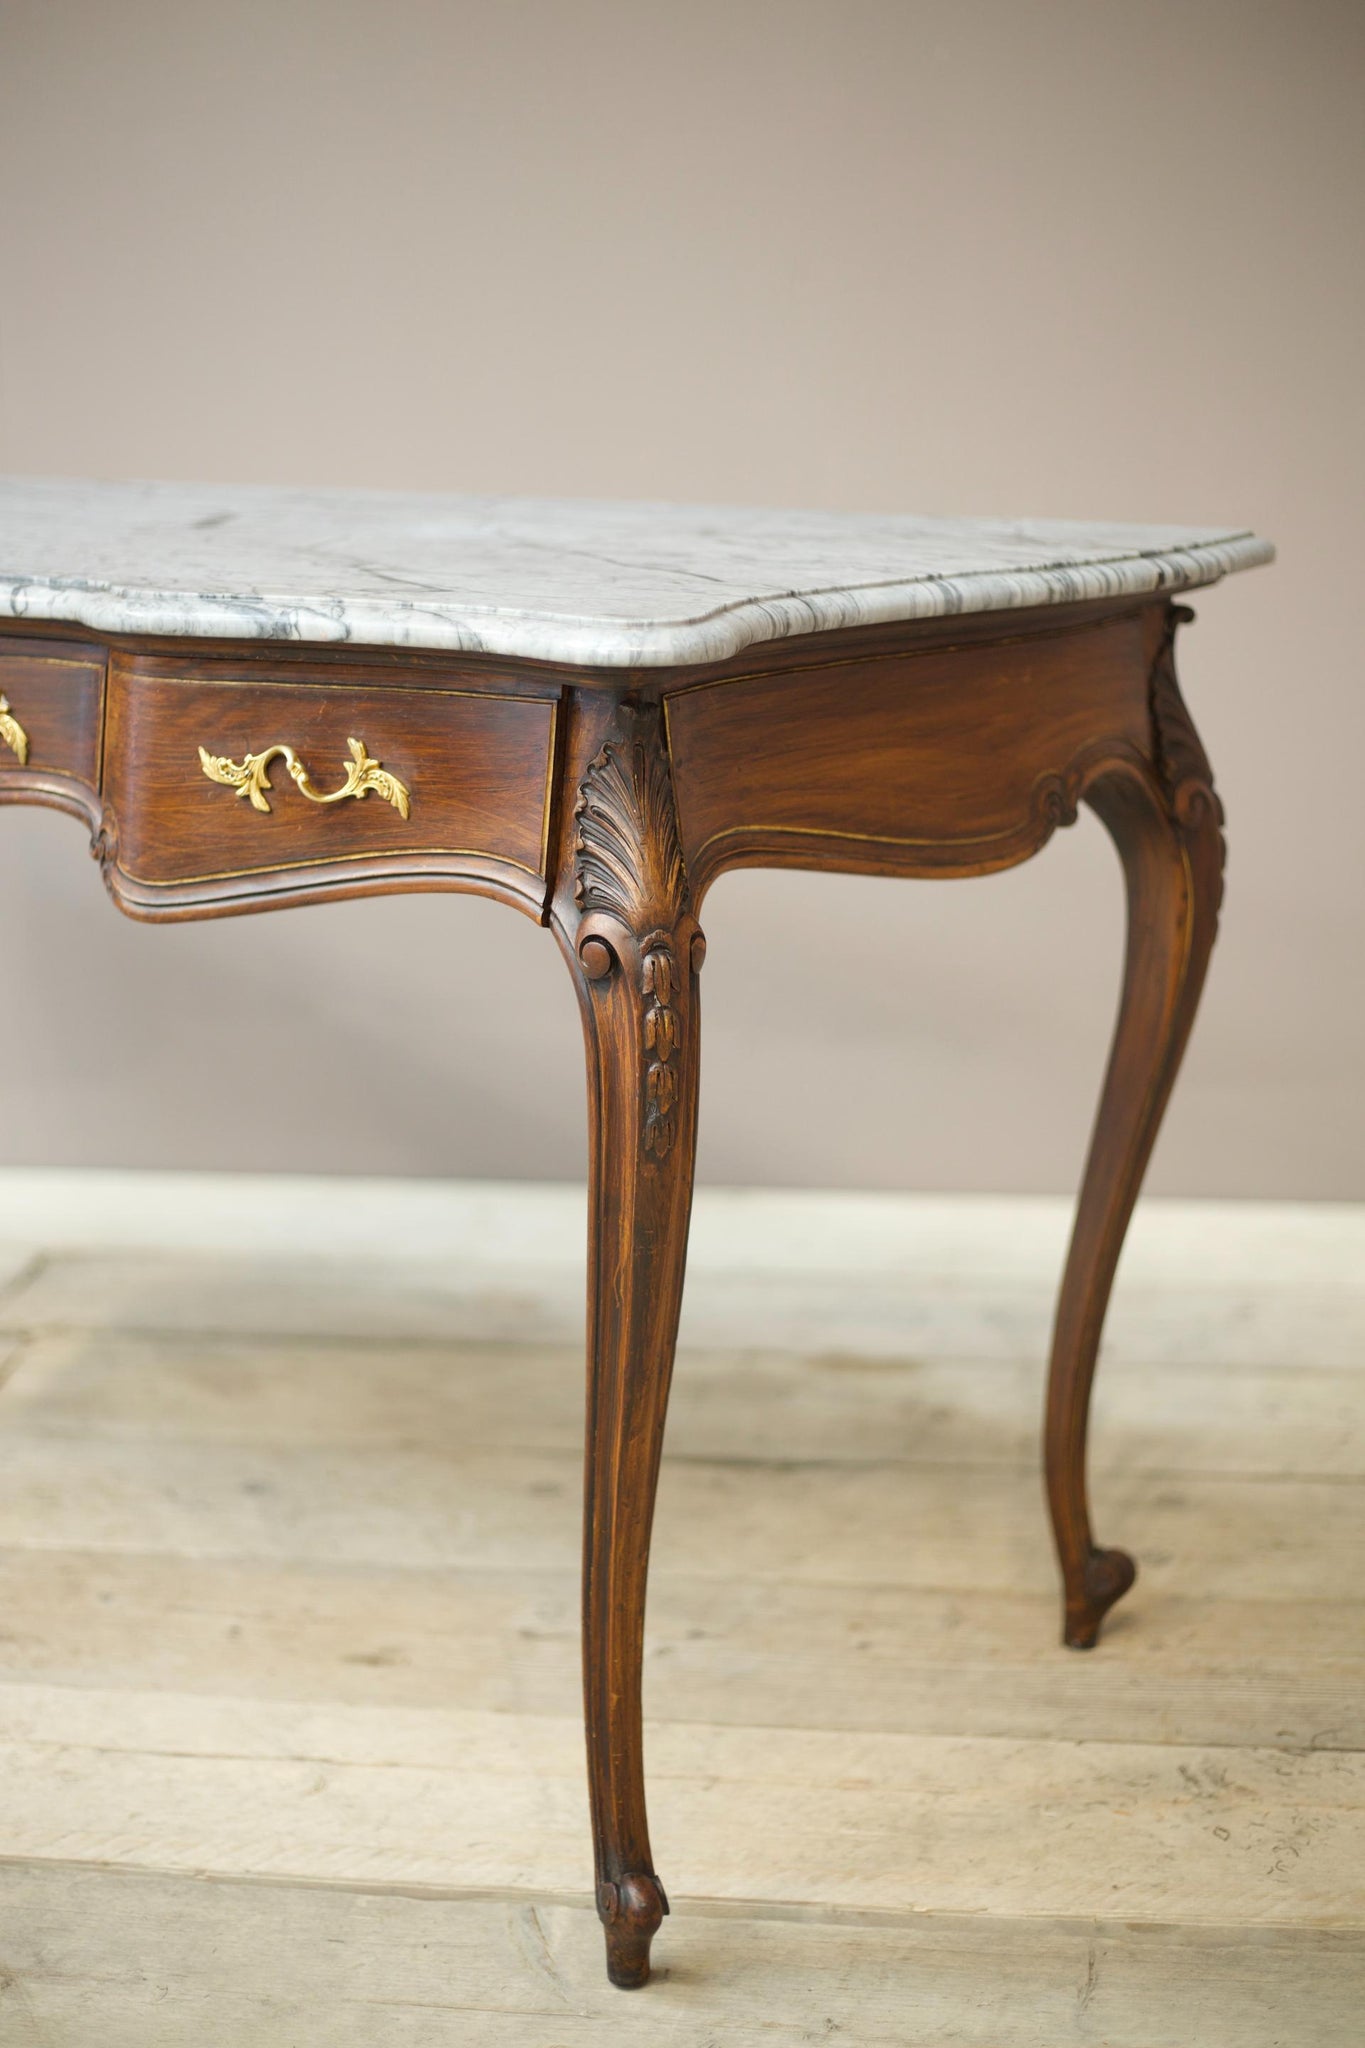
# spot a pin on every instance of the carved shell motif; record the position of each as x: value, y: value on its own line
x: 627, y: 858
x: 628, y: 865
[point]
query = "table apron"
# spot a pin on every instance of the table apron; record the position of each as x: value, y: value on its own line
x: 941, y: 760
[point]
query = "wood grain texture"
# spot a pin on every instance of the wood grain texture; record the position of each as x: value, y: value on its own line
x: 946, y: 759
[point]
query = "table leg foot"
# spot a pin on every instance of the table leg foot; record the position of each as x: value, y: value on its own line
x: 631, y: 1911
x: 1167, y: 825
x: 1106, y: 1577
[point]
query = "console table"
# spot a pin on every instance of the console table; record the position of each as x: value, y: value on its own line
x: 589, y: 711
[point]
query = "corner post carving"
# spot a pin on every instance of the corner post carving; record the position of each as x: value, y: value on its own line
x: 1181, y: 762
x: 630, y: 886
x: 1182, y: 765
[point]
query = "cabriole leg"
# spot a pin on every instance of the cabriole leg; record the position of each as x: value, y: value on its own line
x: 636, y: 951
x: 1167, y: 827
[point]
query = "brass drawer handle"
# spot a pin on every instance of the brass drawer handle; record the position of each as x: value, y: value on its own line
x: 250, y: 779
x: 12, y: 733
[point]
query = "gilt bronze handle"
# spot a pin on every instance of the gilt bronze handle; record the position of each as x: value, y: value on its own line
x: 250, y: 777
x: 12, y: 733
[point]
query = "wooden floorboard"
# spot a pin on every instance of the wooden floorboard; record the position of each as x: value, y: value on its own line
x: 147, y: 1961
x: 796, y: 1815
x: 938, y: 1527
x: 1177, y: 1668
x: 289, y: 1737
x: 726, y: 1405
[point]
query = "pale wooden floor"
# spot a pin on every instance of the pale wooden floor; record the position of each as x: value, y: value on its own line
x: 289, y: 1738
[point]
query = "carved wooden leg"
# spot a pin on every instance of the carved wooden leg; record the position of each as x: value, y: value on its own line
x: 637, y: 953
x: 1167, y: 827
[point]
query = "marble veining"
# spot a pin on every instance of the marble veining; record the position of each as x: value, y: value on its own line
x: 592, y: 582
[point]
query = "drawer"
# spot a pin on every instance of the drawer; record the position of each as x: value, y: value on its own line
x: 217, y: 782
x: 51, y: 716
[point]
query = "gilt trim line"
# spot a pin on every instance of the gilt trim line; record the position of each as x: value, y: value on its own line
x: 401, y: 854
x: 1111, y: 753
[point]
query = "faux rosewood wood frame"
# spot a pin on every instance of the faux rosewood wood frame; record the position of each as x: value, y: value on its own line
x: 604, y: 803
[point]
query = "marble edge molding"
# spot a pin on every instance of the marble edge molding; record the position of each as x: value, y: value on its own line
x: 454, y: 627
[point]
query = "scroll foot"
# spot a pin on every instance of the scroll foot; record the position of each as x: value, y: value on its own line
x: 1106, y: 1577
x: 631, y: 1911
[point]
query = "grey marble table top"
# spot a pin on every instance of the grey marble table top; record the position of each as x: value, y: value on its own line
x: 590, y: 582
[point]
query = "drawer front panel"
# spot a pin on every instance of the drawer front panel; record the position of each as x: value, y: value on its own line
x: 50, y: 721
x: 214, y: 780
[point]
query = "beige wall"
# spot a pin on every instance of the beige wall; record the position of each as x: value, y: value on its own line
x: 1090, y: 259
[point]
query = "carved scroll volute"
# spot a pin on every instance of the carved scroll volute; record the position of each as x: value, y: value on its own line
x: 1180, y: 758
x: 636, y: 923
